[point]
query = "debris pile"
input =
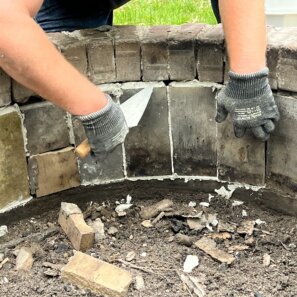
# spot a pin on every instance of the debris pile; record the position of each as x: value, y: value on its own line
x: 85, y: 240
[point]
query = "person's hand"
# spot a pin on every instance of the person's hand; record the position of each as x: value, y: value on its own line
x: 249, y: 100
x: 105, y: 129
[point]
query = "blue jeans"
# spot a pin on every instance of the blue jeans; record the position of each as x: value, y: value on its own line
x: 70, y: 15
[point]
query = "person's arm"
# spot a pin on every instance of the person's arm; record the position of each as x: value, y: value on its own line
x: 30, y: 58
x: 245, y: 32
x: 247, y: 96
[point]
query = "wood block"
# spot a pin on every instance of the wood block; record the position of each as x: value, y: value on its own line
x: 100, y: 277
x: 72, y: 222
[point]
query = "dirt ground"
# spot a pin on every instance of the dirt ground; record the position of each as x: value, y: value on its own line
x: 158, y: 256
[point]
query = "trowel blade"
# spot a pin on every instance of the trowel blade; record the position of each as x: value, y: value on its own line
x: 135, y: 106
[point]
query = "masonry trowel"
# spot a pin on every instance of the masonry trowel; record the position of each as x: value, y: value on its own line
x: 133, y: 110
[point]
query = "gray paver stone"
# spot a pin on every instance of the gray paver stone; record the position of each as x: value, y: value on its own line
x: 46, y: 127
x: 192, y: 109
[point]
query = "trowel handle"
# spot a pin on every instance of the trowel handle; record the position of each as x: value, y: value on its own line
x: 83, y: 149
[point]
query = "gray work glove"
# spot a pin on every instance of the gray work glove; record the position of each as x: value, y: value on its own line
x: 249, y: 100
x: 105, y: 129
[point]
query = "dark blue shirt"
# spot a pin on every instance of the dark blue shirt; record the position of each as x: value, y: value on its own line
x: 70, y: 15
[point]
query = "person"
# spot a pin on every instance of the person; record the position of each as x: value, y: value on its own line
x: 23, y: 45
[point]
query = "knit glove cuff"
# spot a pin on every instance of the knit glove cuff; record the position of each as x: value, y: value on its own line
x: 245, y: 86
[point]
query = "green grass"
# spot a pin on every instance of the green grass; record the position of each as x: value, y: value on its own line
x: 164, y: 12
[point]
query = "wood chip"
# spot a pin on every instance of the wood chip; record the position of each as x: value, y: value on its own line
x: 195, y: 224
x: 130, y: 256
x: 250, y: 241
x: 223, y: 235
x: 266, y: 260
x: 52, y: 266
x: 226, y: 227
x: 193, y: 285
x: 246, y: 227
x: 147, y: 224
x: 209, y: 246
x: 238, y: 248
x: 159, y: 218
x: 37, y: 237
x: 3, y: 262
x: 153, y: 210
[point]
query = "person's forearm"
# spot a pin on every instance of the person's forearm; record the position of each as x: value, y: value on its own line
x: 245, y: 32
x: 28, y: 56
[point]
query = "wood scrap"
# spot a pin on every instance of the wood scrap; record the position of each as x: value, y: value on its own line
x: 38, y: 237
x: 208, y: 246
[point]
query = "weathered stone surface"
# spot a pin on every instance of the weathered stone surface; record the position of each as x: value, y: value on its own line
x: 127, y: 54
x: 282, y: 57
x: 287, y: 69
x: 72, y: 48
x: 210, y: 54
x: 154, y: 49
x: 240, y: 159
x: 98, y: 276
x: 53, y: 172
x: 181, y: 46
x: 282, y: 158
x: 192, y: 109
x: 272, y: 62
x: 147, y: 145
x: 5, y: 85
x: 73, y: 224
x: 24, y: 260
x: 14, y: 186
x: 100, y: 55
x: 20, y: 93
x: 46, y: 127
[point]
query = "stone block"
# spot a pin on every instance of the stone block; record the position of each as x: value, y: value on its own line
x: 210, y: 57
x: 5, y: 85
x: 71, y: 219
x: 20, y: 94
x: 287, y: 69
x: 272, y: 62
x: 239, y: 159
x: 182, y: 55
x: 148, y: 145
x: 111, y: 168
x: 101, y: 59
x: 282, y: 47
x: 53, y: 172
x: 14, y: 186
x: 154, y: 49
x: 46, y: 127
x: 192, y: 110
x: 98, y: 276
x: 127, y: 54
x: 282, y: 158
x: 72, y: 48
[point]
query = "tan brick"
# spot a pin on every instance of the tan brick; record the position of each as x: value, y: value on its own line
x: 98, y: 276
x: 53, y: 172
x: 24, y: 260
x: 72, y: 222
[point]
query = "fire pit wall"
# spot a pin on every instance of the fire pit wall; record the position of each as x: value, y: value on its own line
x: 177, y: 137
